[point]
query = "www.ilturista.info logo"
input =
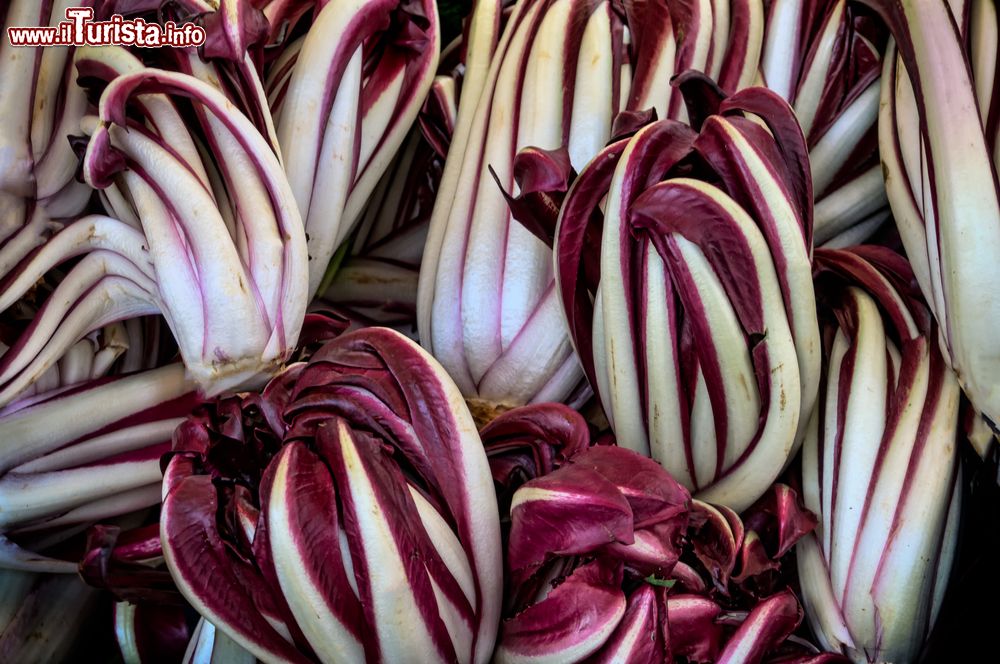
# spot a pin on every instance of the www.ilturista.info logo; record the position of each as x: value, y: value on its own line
x: 80, y: 29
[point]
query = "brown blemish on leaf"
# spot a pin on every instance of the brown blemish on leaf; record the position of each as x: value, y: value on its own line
x: 485, y: 411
